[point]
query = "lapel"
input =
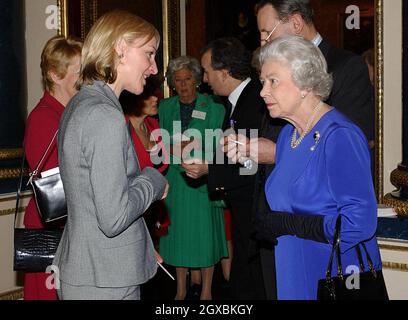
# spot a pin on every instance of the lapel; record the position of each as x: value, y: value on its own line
x: 201, y: 106
x: 329, y: 54
x: 324, y: 47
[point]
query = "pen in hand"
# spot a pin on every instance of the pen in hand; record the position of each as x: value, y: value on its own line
x: 165, y: 270
x: 238, y: 142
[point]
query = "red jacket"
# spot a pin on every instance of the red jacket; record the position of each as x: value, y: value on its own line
x: 144, y: 157
x: 158, y: 209
x: 42, y: 124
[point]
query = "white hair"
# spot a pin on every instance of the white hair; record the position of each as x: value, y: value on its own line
x: 305, y: 61
x: 184, y: 62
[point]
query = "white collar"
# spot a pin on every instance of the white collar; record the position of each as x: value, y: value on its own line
x: 317, y: 40
x: 234, y: 96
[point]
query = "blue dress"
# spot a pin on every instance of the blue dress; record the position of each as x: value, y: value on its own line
x: 328, y: 174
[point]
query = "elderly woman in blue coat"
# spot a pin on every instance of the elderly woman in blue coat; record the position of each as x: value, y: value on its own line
x: 322, y: 172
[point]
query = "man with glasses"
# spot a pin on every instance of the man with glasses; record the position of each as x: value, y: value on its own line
x: 269, y: 33
x: 351, y: 94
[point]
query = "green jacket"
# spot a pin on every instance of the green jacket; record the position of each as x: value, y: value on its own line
x: 207, y: 114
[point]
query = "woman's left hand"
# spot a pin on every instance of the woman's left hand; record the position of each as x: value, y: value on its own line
x: 159, y: 259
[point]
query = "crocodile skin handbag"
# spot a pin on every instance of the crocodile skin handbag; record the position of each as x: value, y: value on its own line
x: 34, y: 249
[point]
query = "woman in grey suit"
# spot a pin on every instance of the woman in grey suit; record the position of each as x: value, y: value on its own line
x: 106, y: 251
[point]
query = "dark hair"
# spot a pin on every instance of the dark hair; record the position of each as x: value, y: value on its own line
x: 133, y: 104
x: 286, y: 8
x: 230, y: 54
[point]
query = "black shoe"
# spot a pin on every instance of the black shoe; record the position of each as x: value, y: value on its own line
x: 194, y: 292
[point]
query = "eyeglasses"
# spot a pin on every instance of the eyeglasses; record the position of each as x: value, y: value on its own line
x: 271, y: 32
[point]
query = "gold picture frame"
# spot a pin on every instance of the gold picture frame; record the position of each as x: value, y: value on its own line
x: 379, y: 100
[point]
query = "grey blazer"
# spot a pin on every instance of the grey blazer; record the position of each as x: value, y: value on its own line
x: 105, y: 241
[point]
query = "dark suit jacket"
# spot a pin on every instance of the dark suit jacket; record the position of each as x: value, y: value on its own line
x: 248, y: 114
x: 246, y: 277
x: 352, y: 92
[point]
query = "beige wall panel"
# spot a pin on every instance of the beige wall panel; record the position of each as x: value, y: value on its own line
x: 392, y: 89
x: 37, y: 35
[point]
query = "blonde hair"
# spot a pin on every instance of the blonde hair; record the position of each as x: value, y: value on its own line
x: 99, y: 57
x: 57, y: 56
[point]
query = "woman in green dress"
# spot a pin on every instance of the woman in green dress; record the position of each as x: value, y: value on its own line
x: 196, y: 236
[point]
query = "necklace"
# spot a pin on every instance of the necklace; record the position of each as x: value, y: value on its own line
x: 295, y: 142
x: 144, y: 136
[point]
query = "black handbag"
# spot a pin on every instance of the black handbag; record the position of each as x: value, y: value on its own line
x: 34, y: 249
x: 48, y: 192
x: 371, y: 283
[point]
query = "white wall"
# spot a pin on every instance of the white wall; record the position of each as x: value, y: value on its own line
x: 392, y: 89
x: 37, y: 35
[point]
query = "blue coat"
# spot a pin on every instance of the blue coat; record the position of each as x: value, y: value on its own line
x: 327, y: 174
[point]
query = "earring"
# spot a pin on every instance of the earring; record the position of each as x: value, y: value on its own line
x: 303, y: 95
x: 121, y: 56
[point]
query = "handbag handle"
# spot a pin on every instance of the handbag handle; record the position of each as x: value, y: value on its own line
x: 35, y: 172
x: 336, y: 250
x: 19, y: 188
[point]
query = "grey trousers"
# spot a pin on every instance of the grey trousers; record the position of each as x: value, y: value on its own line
x: 69, y: 292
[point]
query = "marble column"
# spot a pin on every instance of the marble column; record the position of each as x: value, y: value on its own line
x: 13, y: 92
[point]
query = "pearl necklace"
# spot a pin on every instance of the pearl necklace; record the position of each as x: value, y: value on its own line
x: 295, y: 142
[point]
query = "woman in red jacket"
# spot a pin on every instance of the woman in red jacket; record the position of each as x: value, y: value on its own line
x: 140, y: 112
x: 60, y: 67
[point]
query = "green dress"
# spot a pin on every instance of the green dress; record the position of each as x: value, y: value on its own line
x: 196, y: 235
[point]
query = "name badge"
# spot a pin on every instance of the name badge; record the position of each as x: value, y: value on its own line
x: 199, y: 114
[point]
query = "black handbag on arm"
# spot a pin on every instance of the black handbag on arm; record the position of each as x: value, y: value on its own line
x: 48, y: 192
x: 371, y: 283
x: 34, y: 249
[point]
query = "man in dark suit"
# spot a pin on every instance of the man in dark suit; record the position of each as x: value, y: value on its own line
x: 227, y: 69
x: 351, y: 94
